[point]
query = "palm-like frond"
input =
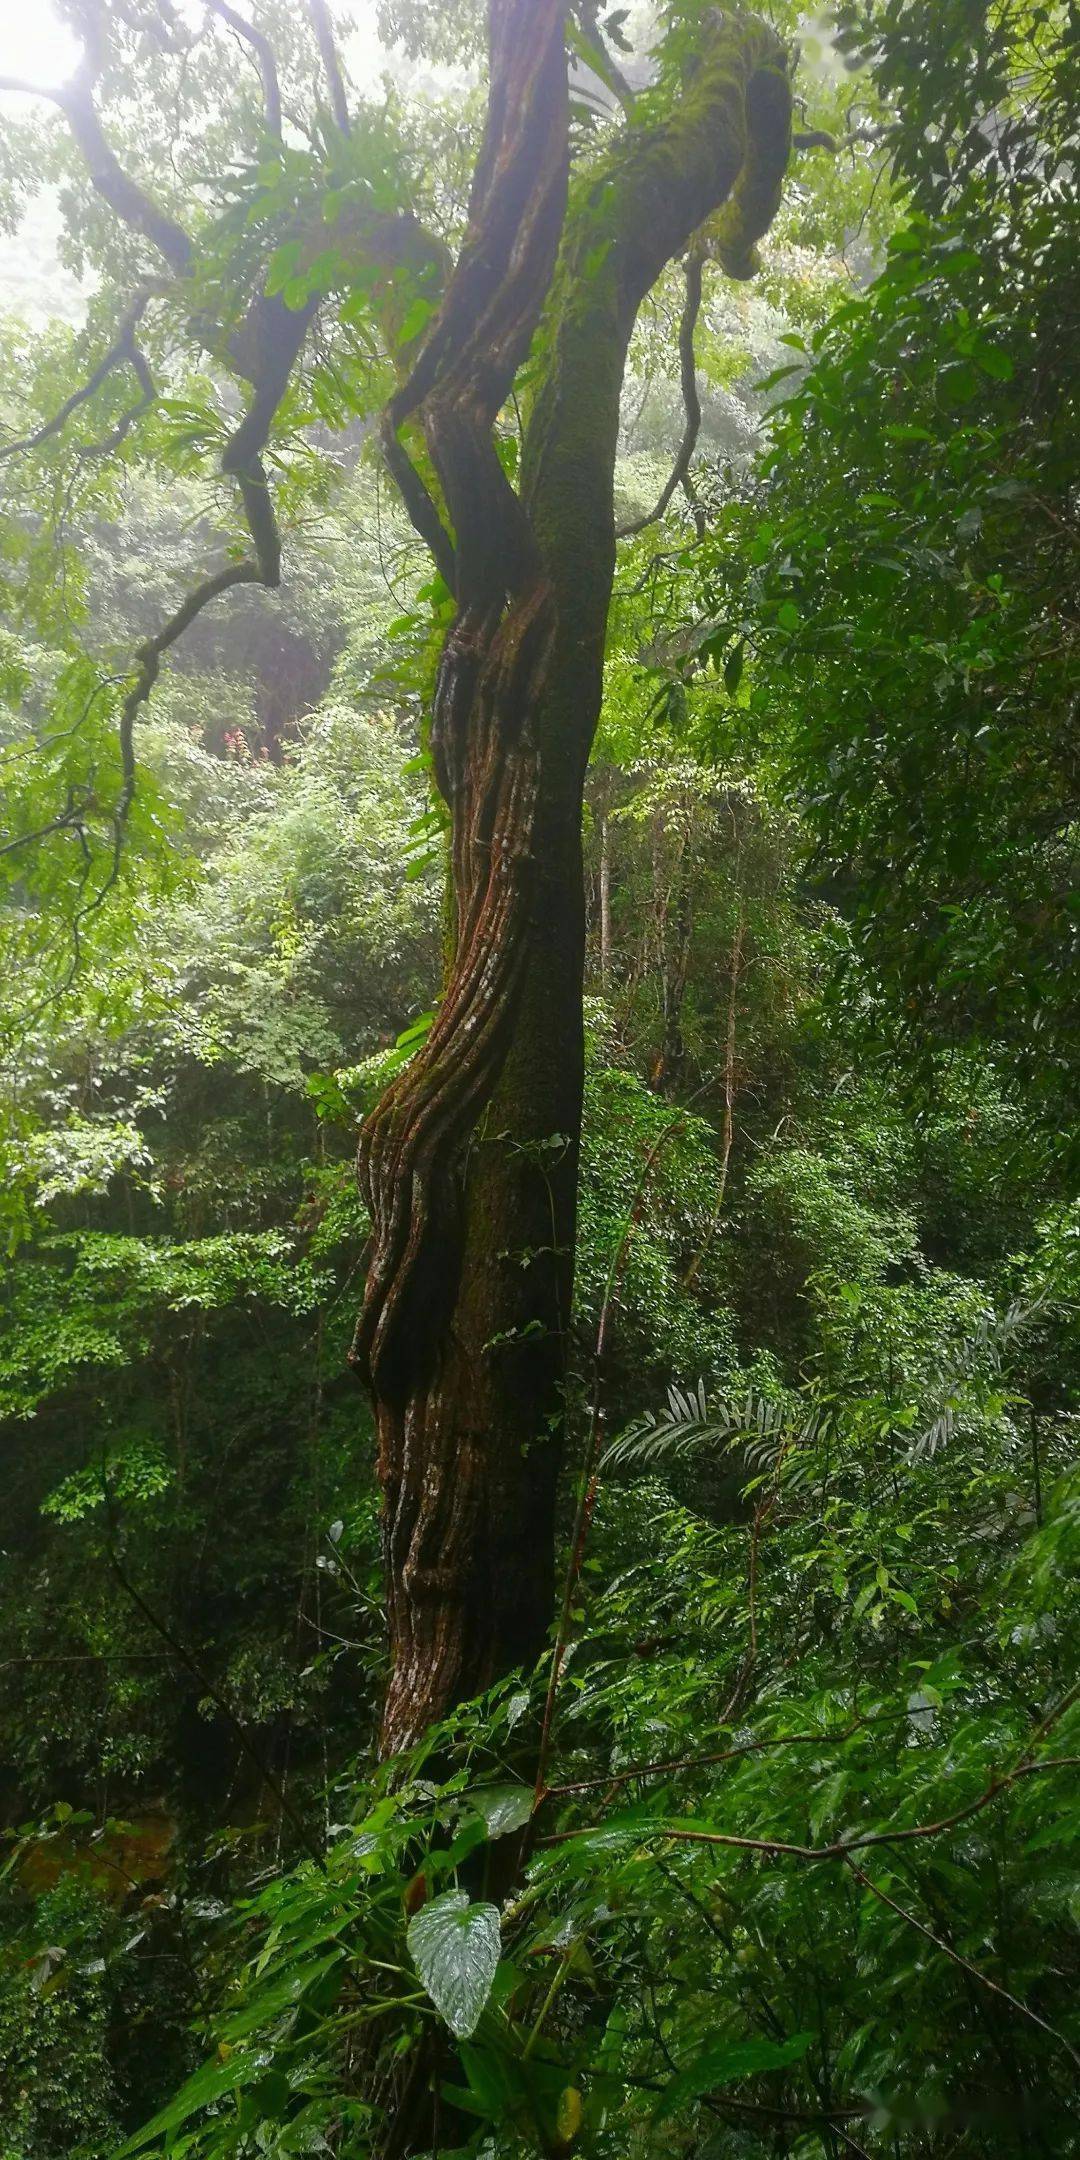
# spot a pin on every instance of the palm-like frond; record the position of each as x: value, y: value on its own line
x: 762, y: 1429
x: 980, y: 1358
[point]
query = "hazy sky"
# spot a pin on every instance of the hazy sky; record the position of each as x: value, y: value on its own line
x: 35, y: 44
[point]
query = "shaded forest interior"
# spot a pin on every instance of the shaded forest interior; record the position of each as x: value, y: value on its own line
x: 540, y: 1297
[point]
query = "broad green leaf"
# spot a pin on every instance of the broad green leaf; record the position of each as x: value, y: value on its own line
x: 281, y: 1994
x: 211, y: 2083
x: 503, y: 1807
x: 455, y: 1948
x: 724, y: 2064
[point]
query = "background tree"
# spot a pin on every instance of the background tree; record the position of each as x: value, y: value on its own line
x: 908, y: 564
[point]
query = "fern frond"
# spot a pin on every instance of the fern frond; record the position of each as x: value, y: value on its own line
x: 764, y: 1430
x: 979, y: 1358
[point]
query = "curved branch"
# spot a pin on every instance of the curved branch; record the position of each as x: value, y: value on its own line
x: 69, y: 819
x: 26, y: 88
x: 264, y: 55
x: 73, y: 818
x: 126, y: 422
x: 422, y: 510
x: 324, y: 34
x: 731, y: 235
x: 148, y: 658
x: 654, y: 193
x: 841, y: 1848
x: 242, y: 461
x: 679, y: 475
x: 123, y: 352
x: 131, y: 202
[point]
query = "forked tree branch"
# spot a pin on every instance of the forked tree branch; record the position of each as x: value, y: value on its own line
x: 532, y: 577
x: 264, y: 55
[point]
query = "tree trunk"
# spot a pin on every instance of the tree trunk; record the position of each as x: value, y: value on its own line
x: 605, y: 899
x: 674, y: 940
x: 469, y: 1164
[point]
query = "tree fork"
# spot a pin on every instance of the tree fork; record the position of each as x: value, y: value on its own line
x: 468, y: 1164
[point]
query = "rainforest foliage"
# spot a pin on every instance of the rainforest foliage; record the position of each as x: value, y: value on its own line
x: 770, y: 1842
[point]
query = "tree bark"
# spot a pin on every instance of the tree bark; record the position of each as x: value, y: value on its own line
x: 469, y: 1164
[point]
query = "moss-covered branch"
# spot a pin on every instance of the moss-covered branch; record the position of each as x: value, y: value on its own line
x: 715, y: 164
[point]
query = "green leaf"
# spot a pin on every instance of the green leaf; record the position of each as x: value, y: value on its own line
x: 502, y: 1807
x: 993, y: 361
x: 455, y: 1948
x: 722, y: 2065
x: 733, y: 667
x: 270, y: 2001
x: 590, y: 51
x: 417, y: 319
x: 211, y: 2083
x: 281, y: 267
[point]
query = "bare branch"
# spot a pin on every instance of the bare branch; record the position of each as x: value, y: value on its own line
x: 679, y: 475
x: 127, y: 419
x: 148, y: 659
x: 72, y: 815
x: 264, y: 54
x: 25, y: 88
x: 669, y: 1765
x: 243, y: 462
x: 324, y: 33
